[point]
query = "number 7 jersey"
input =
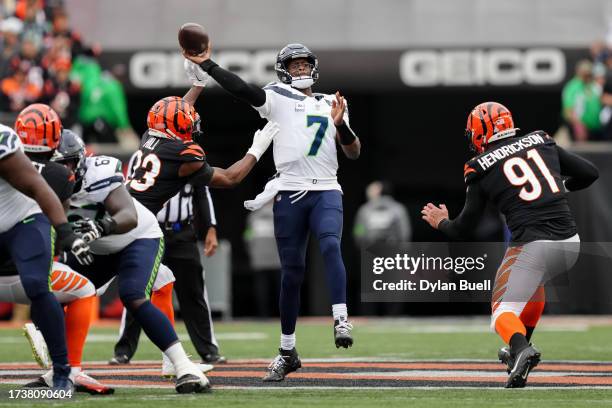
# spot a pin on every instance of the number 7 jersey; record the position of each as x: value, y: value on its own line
x: 305, y: 148
x: 522, y: 177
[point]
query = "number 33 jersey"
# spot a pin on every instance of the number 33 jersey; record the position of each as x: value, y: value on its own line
x: 153, y: 171
x: 305, y: 147
x: 522, y: 177
x: 102, y: 177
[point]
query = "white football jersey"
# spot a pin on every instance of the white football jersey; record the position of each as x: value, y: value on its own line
x: 103, y: 175
x: 14, y: 206
x: 305, y: 148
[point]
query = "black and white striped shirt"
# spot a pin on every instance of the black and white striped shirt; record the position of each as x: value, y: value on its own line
x: 180, y: 208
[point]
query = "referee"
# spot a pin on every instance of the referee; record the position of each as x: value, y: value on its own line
x: 186, y: 217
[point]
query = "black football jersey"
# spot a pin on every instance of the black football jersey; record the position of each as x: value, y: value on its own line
x: 154, y: 170
x: 59, y: 177
x: 522, y: 177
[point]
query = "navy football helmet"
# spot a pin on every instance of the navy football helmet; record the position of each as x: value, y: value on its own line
x: 290, y: 52
x: 71, y: 149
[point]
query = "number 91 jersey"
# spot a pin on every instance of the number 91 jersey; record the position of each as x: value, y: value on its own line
x: 522, y: 177
x: 153, y: 171
x: 305, y: 147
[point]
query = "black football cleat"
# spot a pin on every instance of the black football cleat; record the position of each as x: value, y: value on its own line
x: 214, y: 358
x: 524, y: 362
x: 286, y: 362
x: 506, y: 358
x: 192, y: 384
x: 342, y: 333
x: 40, y: 382
x: 119, y: 359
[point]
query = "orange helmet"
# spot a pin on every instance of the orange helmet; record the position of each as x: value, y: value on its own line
x: 39, y: 127
x: 173, y: 117
x: 488, y: 122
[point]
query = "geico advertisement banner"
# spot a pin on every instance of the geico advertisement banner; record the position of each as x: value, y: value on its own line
x: 384, y: 70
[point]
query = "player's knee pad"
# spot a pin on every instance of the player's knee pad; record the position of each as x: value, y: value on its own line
x: 293, y: 268
x: 330, y: 245
x: 133, y: 304
x: 505, y: 307
x: 292, y: 258
x: 129, y: 294
x: 164, y: 277
x: 35, y: 286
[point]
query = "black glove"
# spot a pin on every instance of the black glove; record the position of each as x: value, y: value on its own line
x: 68, y: 241
x: 92, y: 230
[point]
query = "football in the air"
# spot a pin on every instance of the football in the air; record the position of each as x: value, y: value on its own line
x: 192, y: 38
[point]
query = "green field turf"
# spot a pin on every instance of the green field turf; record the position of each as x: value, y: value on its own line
x: 382, y: 339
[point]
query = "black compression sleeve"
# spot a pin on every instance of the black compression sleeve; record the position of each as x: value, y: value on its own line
x: 581, y: 173
x: 203, y: 206
x: 475, y: 202
x: 233, y: 84
x: 346, y: 134
x: 202, y: 177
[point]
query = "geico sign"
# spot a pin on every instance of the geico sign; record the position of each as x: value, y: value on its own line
x: 164, y: 69
x: 541, y: 66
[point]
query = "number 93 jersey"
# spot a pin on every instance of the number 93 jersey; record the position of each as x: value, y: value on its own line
x: 153, y: 171
x: 522, y: 177
x: 305, y: 148
x: 102, y: 177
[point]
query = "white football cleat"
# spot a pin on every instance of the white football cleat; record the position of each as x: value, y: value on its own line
x: 169, y: 371
x: 38, y: 345
x: 191, y: 380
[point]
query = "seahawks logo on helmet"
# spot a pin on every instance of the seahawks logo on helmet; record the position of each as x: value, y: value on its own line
x: 290, y: 52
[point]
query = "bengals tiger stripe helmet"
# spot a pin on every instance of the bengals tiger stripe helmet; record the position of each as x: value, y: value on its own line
x: 39, y: 127
x: 488, y: 122
x: 172, y: 117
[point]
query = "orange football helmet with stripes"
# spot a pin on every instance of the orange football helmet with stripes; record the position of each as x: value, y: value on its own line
x: 488, y: 122
x: 39, y: 127
x: 173, y: 117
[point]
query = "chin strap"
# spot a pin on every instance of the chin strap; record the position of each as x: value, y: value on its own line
x: 302, y: 82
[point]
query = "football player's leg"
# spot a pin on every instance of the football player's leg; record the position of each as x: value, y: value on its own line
x: 533, y: 311
x: 517, y: 280
x: 32, y: 245
x: 161, y: 296
x: 291, y: 232
x: 326, y: 224
x: 138, y: 267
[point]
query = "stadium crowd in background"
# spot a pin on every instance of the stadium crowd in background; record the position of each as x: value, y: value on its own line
x: 587, y: 97
x: 44, y: 60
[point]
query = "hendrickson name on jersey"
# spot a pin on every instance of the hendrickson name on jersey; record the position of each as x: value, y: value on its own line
x: 489, y: 159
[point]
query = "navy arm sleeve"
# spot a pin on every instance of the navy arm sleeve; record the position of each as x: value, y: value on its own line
x: 581, y: 173
x: 232, y: 83
x: 475, y: 202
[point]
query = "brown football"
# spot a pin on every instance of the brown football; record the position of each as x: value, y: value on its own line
x: 192, y: 38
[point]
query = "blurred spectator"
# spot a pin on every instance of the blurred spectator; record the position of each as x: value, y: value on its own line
x: 61, y: 31
x: 606, y: 100
x: 103, y: 112
x: 34, y: 18
x: 61, y: 93
x: 9, y: 47
x: 381, y: 219
x: 582, y: 105
x: 19, y: 90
